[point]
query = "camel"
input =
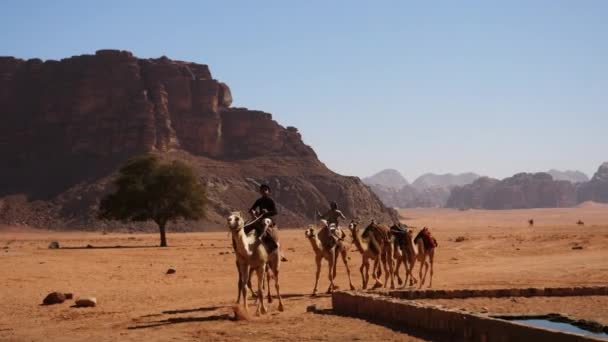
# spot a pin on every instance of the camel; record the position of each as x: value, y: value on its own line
x: 251, y: 254
x: 375, y: 243
x: 326, y: 248
x: 414, y: 250
x: 398, y: 253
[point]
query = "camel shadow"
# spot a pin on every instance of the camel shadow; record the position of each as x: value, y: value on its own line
x: 105, y: 247
x: 177, y: 320
x: 203, y: 309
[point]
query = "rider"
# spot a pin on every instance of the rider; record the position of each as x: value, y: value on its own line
x: 263, y: 207
x: 331, y: 217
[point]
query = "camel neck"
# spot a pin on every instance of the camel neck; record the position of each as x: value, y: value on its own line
x: 359, y: 243
x: 409, y: 244
x: 242, y: 245
x: 316, y: 244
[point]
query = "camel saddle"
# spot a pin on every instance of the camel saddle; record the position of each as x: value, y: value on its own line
x: 428, y: 239
x: 399, y: 231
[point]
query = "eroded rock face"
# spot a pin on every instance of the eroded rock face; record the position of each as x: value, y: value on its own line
x: 597, y: 188
x: 523, y: 190
x: 68, y: 125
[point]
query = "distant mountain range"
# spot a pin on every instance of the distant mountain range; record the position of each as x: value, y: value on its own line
x: 428, y: 190
x: 389, y: 178
x: 531, y: 190
x: 553, y: 188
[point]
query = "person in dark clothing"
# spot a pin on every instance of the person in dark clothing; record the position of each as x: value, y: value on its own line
x: 264, y: 207
x: 331, y: 219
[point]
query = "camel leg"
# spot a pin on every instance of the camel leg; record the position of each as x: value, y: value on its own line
x: 318, y: 262
x: 375, y: 275
x: 253, y: 293
x: 268, y: 277
x: 331, y: 262
x: 244, y: 275
x: 362, y: 270
x: 431, y: 259
x: 399, y: 262
x: 275, y: 270
x: 345, y: 260
x: 422, y: 263
x: 238, y: 284
x: 260, y: 271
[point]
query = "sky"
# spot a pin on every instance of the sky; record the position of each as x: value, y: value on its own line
x: 493, y: 87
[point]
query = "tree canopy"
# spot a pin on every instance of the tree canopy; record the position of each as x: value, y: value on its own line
x: 147, y: 189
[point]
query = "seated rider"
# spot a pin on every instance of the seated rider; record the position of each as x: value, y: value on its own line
x: 332, y: 216
x: 263, y: 207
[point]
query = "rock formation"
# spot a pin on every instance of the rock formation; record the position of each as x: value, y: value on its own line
x: 389, y: 178
x: 68, y: 125
x: 569, y: 175
x: 523, y: 190
x: 597, y: 188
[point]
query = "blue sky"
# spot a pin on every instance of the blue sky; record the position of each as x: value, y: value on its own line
x: 494, y: 87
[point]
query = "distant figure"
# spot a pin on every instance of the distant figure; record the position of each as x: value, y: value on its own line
x: 580, y: 223
x: 531, y: 222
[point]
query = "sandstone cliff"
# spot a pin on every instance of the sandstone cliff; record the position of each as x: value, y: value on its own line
x: 597, y: 188
x: 68, y: 125
x: 523, y: 190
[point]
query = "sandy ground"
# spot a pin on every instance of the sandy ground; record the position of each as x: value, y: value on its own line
x: 138, y: 301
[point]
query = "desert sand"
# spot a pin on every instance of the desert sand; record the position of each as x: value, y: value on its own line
x: 138, y: 301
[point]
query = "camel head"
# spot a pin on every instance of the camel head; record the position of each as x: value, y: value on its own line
x: 235, y: 221
x: 310, y: 233
x: 352, y: 226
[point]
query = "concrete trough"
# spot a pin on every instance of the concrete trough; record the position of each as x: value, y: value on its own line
x: 449, y: 324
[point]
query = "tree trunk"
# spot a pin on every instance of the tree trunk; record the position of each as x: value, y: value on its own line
x: 163, y: 238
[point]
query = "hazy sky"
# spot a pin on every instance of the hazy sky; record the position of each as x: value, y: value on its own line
x: 494, y: 87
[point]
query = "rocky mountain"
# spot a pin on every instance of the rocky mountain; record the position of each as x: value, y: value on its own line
x: 523, y: 190
x: 428, y: 190
x: 569, y: 175
x: 389, y: 178
x: 431, y: 180
x: 597, y: 188
x: 68, y: 125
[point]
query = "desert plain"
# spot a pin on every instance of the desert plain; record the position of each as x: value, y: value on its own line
x: 138, y: 301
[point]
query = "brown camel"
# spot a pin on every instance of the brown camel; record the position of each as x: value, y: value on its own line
x: 251, y: 254
x: 398, y: 253
x: 325, y: 247
x: 374, y: 243
x: 415, y: 250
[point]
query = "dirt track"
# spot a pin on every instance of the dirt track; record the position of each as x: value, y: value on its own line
x: 138, y: 301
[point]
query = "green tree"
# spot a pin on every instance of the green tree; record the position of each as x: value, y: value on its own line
x: 147, y: 189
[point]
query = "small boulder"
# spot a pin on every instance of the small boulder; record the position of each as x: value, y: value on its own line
x: 53, y: 245
x: 577, y: 247
x: 83, y: 302
x: 171, y: 271
x: 54, y: 298
x: 460, y: 239
x: 69, y: 295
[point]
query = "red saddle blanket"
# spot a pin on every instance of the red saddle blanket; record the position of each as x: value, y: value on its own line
x: 428, y: 239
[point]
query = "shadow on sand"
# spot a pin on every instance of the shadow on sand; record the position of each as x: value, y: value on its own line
x: 176, y: 320
x: 106, y: 247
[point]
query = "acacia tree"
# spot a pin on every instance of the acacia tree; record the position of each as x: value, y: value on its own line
x: 147, y: 189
